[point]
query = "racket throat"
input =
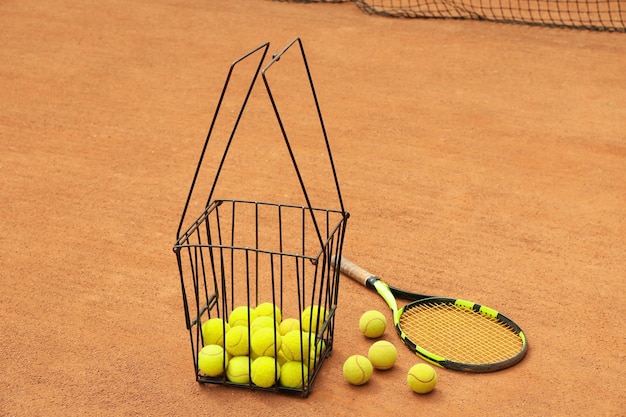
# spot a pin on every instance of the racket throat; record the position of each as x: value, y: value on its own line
x: 384, y: 291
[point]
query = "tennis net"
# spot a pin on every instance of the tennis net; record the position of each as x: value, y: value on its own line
x: 599, y: 15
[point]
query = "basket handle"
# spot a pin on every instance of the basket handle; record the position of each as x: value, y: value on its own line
x: 275, y: 58
x: 263, y: 48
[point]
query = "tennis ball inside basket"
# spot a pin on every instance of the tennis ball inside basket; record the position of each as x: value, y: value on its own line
x: 237, y: 340
x: 241, y: 316
x: 382, y: 354
x: 288, y: 325
x: 373, y: 324
x: 212, y: 360
x: 295, y: 344
x: 293, y: 374
x: 311, y: 358
x: 422, y: 378
x: 312, y: 318
x: 269, y: 310
x: 214, y: 330
x: 265, y: 371
x: 357, y: 369
x: 281, y: 358
x: 262, y: 322
x: 238, y: 370
x: 266, y: 341
x: 317, y: 347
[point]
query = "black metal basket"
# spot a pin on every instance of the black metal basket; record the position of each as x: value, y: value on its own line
x: 243, y: 253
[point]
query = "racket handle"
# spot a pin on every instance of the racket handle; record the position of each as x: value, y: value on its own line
x: 354, y: 271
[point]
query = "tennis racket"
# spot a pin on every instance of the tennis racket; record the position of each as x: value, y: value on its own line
x: 451, y: 333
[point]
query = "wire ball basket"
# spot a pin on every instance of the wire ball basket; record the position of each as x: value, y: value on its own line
x: 241, y: 259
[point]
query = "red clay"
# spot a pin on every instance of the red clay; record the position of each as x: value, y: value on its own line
x: 484, y: 161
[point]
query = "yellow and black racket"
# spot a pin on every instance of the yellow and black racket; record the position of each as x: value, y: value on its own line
x: 452, y: 333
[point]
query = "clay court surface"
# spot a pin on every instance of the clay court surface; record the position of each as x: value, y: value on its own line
x: 478, y: 160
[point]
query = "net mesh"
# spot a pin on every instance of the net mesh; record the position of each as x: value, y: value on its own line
x: 460, y: 334
x: 599, y: 15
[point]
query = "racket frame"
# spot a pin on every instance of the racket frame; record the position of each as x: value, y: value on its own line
x: 391, y: 294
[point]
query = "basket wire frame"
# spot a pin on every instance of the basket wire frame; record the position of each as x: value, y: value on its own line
x: 244, y: 252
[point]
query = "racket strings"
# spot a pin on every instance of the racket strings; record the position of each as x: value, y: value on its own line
x: 460, y: 334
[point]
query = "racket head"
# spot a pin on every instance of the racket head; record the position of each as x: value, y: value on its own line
x: 460, y: 335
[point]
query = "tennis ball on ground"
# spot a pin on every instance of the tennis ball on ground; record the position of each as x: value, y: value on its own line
x: 373, y: 324
x: 241, y: 316
x: 265, y: 371
x: 262, y: 322
x: 269, y: 310
x: 312, y: 318
x: 236, y: 342
x: 288, y: 325
x: 295, y: 344
x: 382, y: 354
x: 422, y: 378
x: 212, y: 360
x: 357, y: 369
x: 293, y: 374
x: 213, y: 331
x: 266, y: 342
x: 238, y: 370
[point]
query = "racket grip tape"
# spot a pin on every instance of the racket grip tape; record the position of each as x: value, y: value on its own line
x: 355, y: 272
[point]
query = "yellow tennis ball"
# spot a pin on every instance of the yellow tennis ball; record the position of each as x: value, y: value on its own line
x: 422, y: 378
x: 262, y: 322
x: 317, y: 347
x: 269, y: 310
x: 237, y: 340
x: 311, y: 358
x: 281, y: 358
x: 212, y: 360
x: 241, y: 316
x: 265, y: 371
x: 213, y: 331
x: 312, y: 318
x: 320, y: 347
x: 295, y: 344
x: 373, y: 324
x: 294, y: 374
x: 382, y: 354
x: 266, y: 342
x: 357, y: 369
x: 288, y: 325
x: 238, y: 370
